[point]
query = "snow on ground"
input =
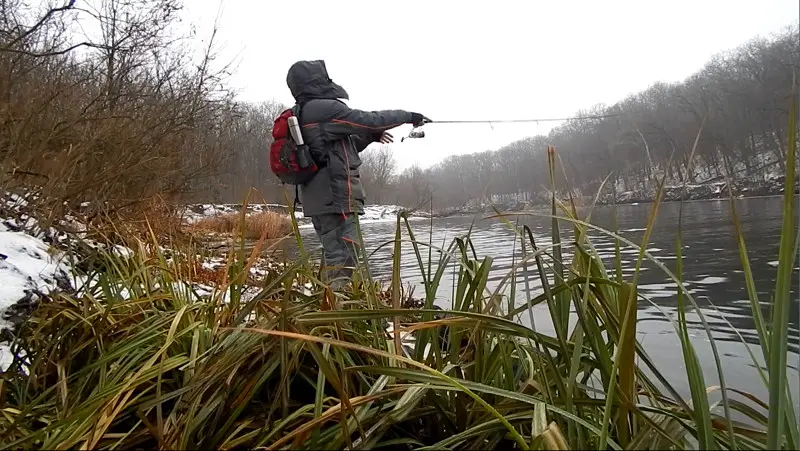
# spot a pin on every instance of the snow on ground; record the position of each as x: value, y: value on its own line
x: 195, y: 212
x: 27, y: 269
x: 386, y: 213
x: 31, y: 268
x: 372, y: 213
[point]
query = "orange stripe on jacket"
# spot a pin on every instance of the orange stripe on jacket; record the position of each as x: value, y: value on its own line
x: 349, y: 187
x: 339, y: 121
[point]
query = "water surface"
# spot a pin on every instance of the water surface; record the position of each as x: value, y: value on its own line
x: 711, y: 271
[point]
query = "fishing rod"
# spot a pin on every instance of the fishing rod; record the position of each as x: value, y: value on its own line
x: 416, y: 133
x: 549, y: 119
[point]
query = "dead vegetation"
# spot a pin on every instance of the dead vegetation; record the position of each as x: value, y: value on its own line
x: 267, y: 224
x: 106, y: 104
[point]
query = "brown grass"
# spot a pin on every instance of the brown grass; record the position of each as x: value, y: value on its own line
x: 193, y: 269
x: 267, y: 224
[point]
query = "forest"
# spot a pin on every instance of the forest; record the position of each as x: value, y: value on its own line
x: 71, y: 98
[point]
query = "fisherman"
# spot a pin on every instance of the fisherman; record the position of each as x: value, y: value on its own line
x: 336, y: 135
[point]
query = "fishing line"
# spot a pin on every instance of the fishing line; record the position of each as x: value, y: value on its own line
x: 507, y: 121
x: 416, y: 133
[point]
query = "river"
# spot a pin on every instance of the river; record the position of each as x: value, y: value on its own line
x: 711, y: 268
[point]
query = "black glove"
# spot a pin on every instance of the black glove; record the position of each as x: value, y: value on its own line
x: 418, y: 119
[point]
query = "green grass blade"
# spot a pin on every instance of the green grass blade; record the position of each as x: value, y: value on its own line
x: 561, y: 307
x: 779, y: 337
x: 694, y: 372
x: 308, y: 338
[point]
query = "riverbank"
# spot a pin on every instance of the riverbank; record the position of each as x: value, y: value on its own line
x: 372, y: 213
x: 43, y: 263
x: 216, y: 226
x: 772, y: 187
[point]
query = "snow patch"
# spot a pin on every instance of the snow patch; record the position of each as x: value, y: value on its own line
x: 195, y: 212
x: 25, y: 266
x: 28, y: 269
x: 372, y: 213
x: 385, y: 213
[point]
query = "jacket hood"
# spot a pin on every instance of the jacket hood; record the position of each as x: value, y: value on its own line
x: 309, y: 80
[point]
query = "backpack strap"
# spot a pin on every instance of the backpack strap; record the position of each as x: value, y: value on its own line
x: 297, y: 110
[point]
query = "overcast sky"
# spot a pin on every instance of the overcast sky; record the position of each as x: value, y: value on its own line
x: 479, y: 60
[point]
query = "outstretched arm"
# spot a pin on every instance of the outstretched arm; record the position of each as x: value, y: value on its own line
x: 346, y: 121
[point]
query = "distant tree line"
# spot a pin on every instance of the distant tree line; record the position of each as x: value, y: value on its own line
x: 246, y: 167
x: 740, y: 99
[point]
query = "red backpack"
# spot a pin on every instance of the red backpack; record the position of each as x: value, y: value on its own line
x: 292, y: 163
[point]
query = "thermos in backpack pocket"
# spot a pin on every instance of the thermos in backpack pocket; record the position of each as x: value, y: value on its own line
x: 303, y: 153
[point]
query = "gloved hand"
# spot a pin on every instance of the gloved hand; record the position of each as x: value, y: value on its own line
x: 418, y: 119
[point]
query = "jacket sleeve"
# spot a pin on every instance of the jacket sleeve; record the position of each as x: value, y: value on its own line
x: 345, y: 121
x: 362, y: 141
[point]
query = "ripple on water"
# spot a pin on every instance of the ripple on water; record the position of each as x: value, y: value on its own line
x: 658, y: 286
x: 659, y: 294
x: 633, y: 269
x: 776, y: 263
x: 710, y: 280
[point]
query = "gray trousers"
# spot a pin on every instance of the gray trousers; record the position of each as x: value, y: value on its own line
x: 337, y: 233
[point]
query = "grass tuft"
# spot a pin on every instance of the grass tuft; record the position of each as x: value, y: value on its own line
x: 267, y: 224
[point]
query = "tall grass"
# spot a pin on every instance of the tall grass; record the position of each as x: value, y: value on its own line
x: 268, y: 224
x: 141, y: 359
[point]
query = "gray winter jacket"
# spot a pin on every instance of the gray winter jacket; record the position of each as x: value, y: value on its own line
x: 335, y: 135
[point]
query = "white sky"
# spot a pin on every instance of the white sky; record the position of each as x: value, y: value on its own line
x: 476, y: 60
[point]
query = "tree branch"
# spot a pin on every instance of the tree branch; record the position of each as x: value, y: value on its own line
x: 54, y: 52
x: 39, y: 24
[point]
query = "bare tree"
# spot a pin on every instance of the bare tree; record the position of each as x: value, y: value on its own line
x: 377, y: 172
x: 247, y: 164
x: 414, y: 189
x: 131, y: 116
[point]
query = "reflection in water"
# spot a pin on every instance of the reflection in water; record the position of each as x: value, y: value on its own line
x: 711, y: 266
